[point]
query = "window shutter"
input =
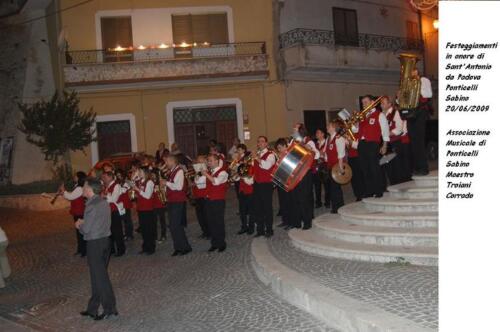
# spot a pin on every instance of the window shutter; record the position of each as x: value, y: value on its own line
x: 116, y: 31
x: 201, y: 28
x: 218, y: 29
x: 182, y: 29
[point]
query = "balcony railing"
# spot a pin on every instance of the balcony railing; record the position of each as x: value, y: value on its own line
x: 165, y: 53
x: 328, y: 37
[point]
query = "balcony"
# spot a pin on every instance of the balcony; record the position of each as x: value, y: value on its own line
x: 185, y: 63
x: 322, y: 54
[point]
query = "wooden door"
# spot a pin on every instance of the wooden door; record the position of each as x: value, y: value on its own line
x: 113, y: 137
x: 185, y: 138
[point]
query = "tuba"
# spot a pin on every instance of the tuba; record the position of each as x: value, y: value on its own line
x: 409, y: 87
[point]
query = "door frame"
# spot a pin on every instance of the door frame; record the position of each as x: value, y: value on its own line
x: 94, y: 147
x: 169, y: 112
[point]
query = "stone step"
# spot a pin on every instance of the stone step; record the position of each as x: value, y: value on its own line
x: 410, y: 190
x: 314, y: 242
x: 430, y: 180
x: 333, y: 226
x: 359, y: 214
x: 390, y: 204
x: 339, y: 311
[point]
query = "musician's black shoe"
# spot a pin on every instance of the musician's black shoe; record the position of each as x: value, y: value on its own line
x: 269, y: 234
x: 250, y: 231
x: 185, y: 252
x: 120, y: 254
x: 176, y: 253
x: 288, y: 227
x: 141, y: 252
x: 327, y: 205
x: 106, y: 316
x: 88, y: 314
x: 221, y: 249
x: 306, y: 227
x: 378, y: 195
x: 282, y: 225
x: 212, y: 249
x: 259, y: 235
x: 318, y: 205
x: 334, y: 211
x: 242, y: 231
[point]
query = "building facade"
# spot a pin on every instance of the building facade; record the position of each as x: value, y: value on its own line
x: 187, y: 73
x: 334, y: 51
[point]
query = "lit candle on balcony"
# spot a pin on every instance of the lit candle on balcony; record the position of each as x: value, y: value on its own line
x: 205, y: 44
x: 184, y: 44
x: 163, y: 45
x: 118, y: 48
x: 141, y: 47
x: 194, y: 44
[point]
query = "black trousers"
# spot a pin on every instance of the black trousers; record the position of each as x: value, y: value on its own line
x: 175, y: 218
x: 245, y: 207
x: 304, y: 201
x: 357, y: 180
x: 81, y: 246
x: 147, y: 223
x: 416, y: 130
x: 404, y: 152
x: 128, y: 226
x: 102, y: 292
x: 336, y: 194
x: 215, y: 216
x: 283, y: 200
x: 372, y: 172
x: 159, y: 214
x: 117, y: 242
x: 318, y: 185
x: 199, y: 205
x: 184, y: 215
x: 398, y: 170
x: 263, y: 205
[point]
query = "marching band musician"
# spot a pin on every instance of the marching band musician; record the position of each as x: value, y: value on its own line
x: 144, y: 188
x: 245, y: 195
x: 199, y: 190
x: 416, y: 125
x: 304, y: 191
x: 287, y: 206
x: 371, y: 130
x: 357, y: 180
x: 335, y: 153
x: 177, y: 197
x: 112, y: 192
x: 128, y: 226
x: 77, y: 207
x: 264, y: 160
x: 158, y: 210
x: 398, y: 170
x: 318, y: 182
x: 216, y: 201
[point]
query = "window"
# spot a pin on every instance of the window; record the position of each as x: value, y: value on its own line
x: 116, y: 31
x: 345, y: 26
x: 189, y: 29
x: 113, y: 137
x: 412, y: 34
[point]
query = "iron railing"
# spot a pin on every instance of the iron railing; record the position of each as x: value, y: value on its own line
x: 165, y: 53
x: 328, y: 37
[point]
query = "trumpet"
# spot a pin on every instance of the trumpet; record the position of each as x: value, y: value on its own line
x: 348, y: 121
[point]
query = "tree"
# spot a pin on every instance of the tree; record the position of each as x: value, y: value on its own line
x: 58, y: 126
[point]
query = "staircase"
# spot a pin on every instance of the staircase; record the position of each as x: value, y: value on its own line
x: 400, y: 227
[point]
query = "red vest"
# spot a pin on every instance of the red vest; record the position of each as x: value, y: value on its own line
x: 369, y: 128
x: 215, y: 193
x: 125, y: 200
x: 331, y: 152
x: 263, y: 175
x: 144, y: 204
x: 199, y: 193
x: 109, y: 190
x: 405, y: 138
x: 245, y: 188
x: 176, y: 196
x: 77, y: 207
x: 392, y: 125
x: 156, y: 201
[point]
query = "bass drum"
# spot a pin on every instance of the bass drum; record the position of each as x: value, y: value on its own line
x: 339, y: 177
x: 292, y: 168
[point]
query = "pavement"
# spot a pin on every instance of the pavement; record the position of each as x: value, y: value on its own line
x: 198, y: 292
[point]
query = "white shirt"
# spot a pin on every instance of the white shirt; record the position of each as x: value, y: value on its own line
x: 269, y: 161
x: 313, y: 148
x: 219, y: 179
x: 398, y: 129
x: 76, y: 193
x: 248, y: 180
x: 425, y: 87
x: 115, y: 195
x: 178, y: 182
x: 200, y: 182
x: 148, y: 191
